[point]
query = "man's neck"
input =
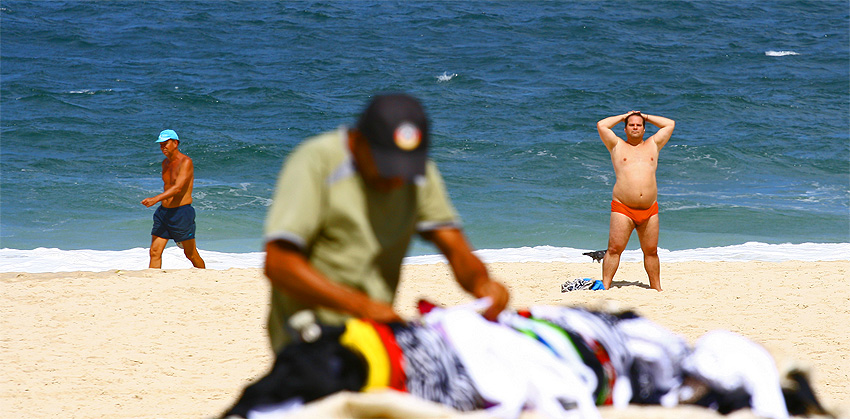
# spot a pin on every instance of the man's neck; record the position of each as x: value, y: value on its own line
x: 634, y: 141
x: 176, y: 155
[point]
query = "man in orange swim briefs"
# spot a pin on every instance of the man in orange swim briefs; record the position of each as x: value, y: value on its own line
x: 634, y: 205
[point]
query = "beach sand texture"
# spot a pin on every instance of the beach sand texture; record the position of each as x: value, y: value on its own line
x: 183, y: 343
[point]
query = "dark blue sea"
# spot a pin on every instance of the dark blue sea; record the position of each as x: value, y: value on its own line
x: 759, y: 90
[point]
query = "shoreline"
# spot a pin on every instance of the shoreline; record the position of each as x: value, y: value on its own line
x: 57, y: 260
x: 183, y: 342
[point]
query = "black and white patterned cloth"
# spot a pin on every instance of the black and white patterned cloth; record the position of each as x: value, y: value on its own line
x: 433, y: 370
x: 576, y: 284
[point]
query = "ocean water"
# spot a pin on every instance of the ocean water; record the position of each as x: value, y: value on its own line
x: 758, y: 166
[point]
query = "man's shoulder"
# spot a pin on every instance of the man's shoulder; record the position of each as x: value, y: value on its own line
x: 326, y: 143
x: 177, y: 163
x: 182, y: 159
x: 321, y: 157
x: 615, y: 145
x: 326, y: 147
x: 431, y: 169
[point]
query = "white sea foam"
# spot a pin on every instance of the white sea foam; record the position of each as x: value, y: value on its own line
x: 57, y: 260
x: 779, y: 53
x: 446, y: 76
x: 88, y: 91
x: 751, y: 251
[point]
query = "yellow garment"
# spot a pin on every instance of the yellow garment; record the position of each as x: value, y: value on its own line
x: 362, y: 338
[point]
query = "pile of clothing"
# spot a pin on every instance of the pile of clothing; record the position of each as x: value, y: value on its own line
x: 561, y: 362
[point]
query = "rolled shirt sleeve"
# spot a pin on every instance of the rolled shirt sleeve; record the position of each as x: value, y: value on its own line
x: 435, y: 210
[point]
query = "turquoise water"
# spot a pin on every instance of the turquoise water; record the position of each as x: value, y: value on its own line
x: 759, y: 91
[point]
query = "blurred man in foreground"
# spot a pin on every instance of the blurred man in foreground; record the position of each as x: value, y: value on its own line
x: 346, y: 204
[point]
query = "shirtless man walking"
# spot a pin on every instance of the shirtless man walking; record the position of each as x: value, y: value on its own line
x: 175, y: 217
x: 634, y: 205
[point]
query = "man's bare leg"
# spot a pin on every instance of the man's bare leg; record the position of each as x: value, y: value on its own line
x: 157, y: 246
x: 191, y: 252
x: 648, y: 235
x: 618, y: 237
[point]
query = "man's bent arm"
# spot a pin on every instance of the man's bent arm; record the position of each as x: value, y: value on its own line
x: 290, y: 272
x: 185, y: 171
x: 665, y: 130
x: 469, y: 271
x: 605, y: 129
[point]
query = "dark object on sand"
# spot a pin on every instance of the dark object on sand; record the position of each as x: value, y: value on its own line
x: 799, y: 396
x: 597, y: 255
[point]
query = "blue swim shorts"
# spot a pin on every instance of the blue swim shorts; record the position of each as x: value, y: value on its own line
x: 174, y: 223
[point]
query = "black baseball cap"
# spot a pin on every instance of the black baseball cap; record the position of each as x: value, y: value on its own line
x: 397, y: 130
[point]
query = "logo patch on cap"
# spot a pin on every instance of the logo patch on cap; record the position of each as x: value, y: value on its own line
x: 407, y: 137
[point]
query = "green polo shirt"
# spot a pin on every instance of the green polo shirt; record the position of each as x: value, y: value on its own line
x: 349, y: 232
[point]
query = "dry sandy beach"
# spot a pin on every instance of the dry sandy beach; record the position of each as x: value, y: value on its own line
x: 183, y: 343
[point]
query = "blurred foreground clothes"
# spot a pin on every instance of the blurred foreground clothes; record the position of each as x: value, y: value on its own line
x: 560, y: 362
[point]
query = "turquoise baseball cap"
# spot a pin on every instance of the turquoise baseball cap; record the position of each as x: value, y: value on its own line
x: 166, y: 135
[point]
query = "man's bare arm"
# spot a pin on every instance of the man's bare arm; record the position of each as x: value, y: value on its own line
x: 469, y: 271
x: 605, y: 129
x: 290, y: 272
x: 665, y: 130
x: 185, y: 172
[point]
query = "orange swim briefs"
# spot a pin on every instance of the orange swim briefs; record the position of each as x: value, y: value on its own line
x: 639, y: 216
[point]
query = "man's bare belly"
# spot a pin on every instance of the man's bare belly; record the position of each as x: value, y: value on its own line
x: 635, y: 198
x: 174, y: 203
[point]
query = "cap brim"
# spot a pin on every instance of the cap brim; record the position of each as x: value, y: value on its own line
x: 395, y: 163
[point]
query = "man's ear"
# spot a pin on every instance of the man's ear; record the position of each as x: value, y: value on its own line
x: 359, y: 144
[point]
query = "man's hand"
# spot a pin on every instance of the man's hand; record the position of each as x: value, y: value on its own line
x: 148, y: 202
x: 498, y: 293
x: 291, y: 273
x: 469, y: 271
x: 379, y: 312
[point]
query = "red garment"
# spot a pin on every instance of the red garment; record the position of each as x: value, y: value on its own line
x: 639, y: 216
x: 606, y: 395
x: 398, y: 378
